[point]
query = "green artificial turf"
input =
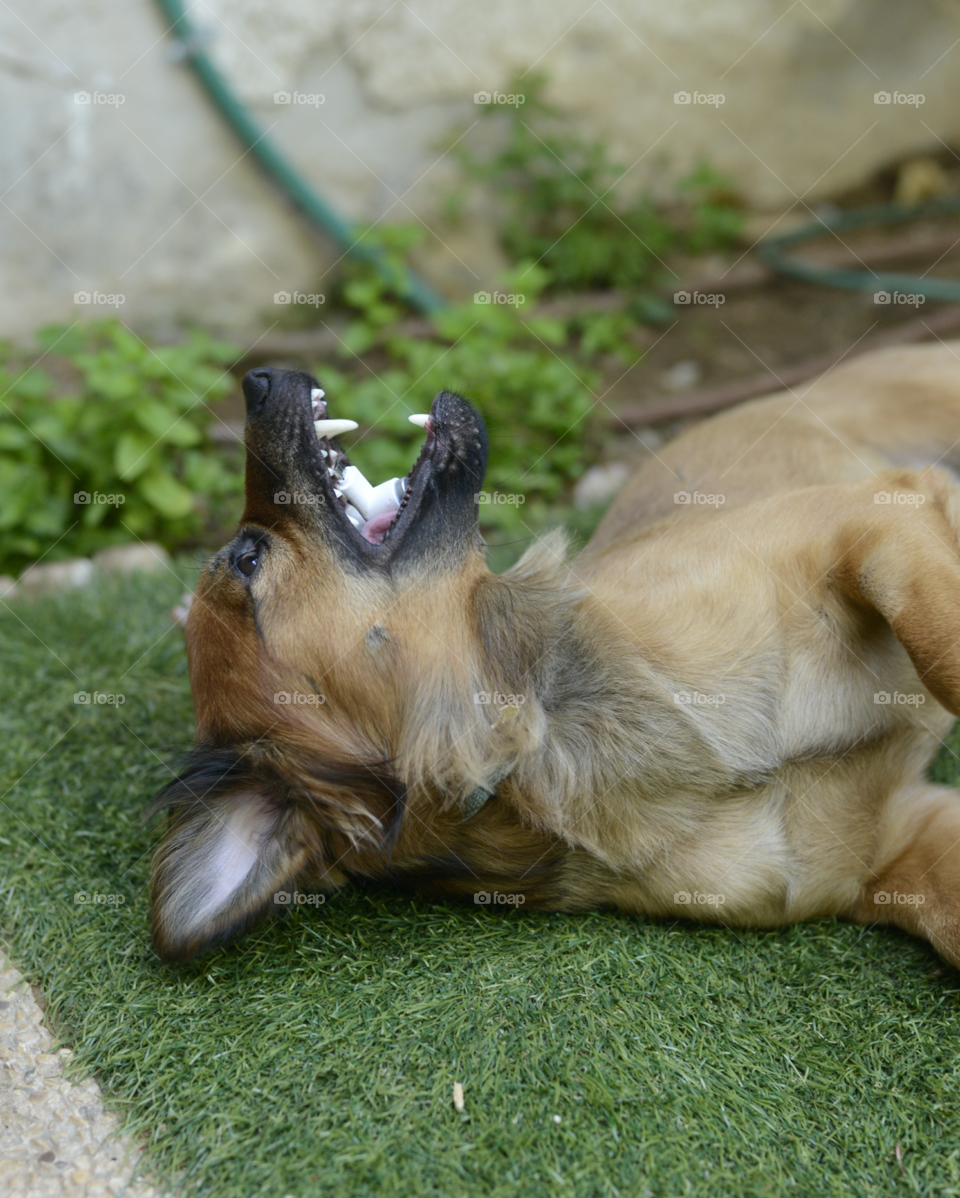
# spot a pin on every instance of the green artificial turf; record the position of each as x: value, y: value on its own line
x: 599, y: 1054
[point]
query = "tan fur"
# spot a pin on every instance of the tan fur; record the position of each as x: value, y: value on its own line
x: 783, y: 791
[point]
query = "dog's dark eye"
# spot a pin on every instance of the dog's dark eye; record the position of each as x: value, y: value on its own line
x: 247, y: 562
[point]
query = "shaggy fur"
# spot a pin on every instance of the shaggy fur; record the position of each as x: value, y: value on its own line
x: 685, y: 720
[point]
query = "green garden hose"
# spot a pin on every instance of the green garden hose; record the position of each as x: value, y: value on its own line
x: 772, y: 252
x: 423, y: 297
x: 412, y: 288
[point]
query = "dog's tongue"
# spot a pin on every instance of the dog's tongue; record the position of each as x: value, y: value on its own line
x: 376, y: 527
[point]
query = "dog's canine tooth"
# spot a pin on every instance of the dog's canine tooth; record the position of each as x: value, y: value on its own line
x: 317, y: 393
x: 333, y: 428
x: 421, y: 421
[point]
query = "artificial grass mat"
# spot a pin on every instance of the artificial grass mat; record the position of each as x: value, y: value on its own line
x: 599, y: 1054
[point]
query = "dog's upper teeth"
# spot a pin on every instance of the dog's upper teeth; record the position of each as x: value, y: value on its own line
x: 317, y: 393
x: 333, y: 428
x: 422, y: 421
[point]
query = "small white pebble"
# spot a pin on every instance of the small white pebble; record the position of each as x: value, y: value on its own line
x: 556, y: 1118
x: 458, y: 1096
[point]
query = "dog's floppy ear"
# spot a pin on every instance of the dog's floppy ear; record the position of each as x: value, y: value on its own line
x: 227, y: 851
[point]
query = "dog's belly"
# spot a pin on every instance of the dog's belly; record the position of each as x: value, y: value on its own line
x: 796, y: 848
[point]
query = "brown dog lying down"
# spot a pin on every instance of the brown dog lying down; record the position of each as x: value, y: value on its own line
x: 721, y: 710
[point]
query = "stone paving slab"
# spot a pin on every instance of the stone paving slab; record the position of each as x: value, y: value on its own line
x: 56, y: 1138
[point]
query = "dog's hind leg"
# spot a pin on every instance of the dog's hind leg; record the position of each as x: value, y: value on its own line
x: 915, y: 882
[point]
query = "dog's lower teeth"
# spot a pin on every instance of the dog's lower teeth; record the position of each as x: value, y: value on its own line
x: 354, y: 516
x: 421, y: 421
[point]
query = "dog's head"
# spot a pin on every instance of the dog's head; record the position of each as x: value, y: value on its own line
x: 335, y: 665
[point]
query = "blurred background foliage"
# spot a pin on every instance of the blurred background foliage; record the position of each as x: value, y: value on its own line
x: 106, y: 414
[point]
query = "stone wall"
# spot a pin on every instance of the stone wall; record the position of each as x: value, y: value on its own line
x: 143, y: 192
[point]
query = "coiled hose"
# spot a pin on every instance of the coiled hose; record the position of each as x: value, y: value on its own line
x: 772, y: 252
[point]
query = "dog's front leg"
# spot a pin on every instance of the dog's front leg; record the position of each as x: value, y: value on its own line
x: 898, y: 551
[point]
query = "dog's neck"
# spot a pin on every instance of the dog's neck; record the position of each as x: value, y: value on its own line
x: 585, y: 718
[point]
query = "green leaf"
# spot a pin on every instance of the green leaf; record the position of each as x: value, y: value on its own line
x: 163, y: 492
x: 133, y: 455
x: 166, y: 424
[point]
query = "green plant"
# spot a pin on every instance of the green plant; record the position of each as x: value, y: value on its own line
x: 534, y: 392
x: 122, y: 451
x: 560, y: 207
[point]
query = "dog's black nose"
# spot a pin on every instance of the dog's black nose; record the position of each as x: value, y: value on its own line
x: 256, y: 387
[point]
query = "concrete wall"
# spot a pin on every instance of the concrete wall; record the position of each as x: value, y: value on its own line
x: 148, y: 196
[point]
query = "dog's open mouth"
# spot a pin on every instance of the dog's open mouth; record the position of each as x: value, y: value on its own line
x: 295, y: 457
x: 374, y: 511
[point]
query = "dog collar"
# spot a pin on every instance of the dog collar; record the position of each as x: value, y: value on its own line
x: 474, y: 801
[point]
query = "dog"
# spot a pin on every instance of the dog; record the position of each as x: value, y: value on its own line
x: 723, y: 709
